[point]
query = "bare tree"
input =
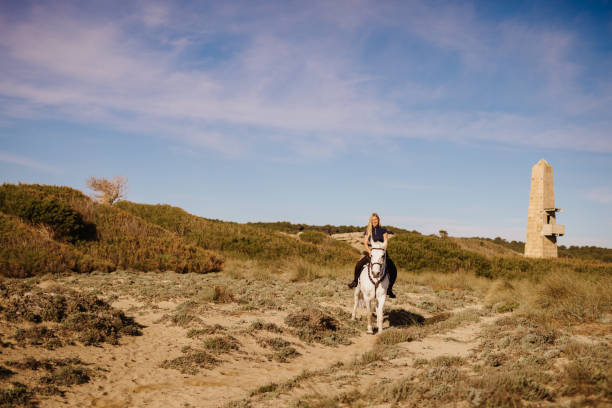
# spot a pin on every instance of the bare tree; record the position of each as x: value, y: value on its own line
x: 108, y: 191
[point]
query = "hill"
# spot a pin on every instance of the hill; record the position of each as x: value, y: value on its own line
x: 416, y: 252
x: 105, y: 233
x: 289, y: 228
x: 244, y: 241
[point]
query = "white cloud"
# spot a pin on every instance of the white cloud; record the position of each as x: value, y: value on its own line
x: 19, y: 160
x: 601, y: 195
x: 304, y: 89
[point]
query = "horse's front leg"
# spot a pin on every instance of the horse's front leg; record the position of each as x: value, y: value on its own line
x: 369, y: 314
x: 356, y: 296
x: 379, y: 311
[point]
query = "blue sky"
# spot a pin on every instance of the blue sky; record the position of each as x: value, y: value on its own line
x: 429, y: 113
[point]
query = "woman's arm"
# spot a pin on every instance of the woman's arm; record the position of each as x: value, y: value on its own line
x: 365, y: 244
x: 386, y: 236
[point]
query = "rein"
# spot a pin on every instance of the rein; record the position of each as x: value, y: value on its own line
x: 383, y: 267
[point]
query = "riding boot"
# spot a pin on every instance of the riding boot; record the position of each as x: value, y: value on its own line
x: 362, y: 262
x: 392, y: 277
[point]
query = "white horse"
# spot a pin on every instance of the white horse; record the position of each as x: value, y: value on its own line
x: 373, y: 284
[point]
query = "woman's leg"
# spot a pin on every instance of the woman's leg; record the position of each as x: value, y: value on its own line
x: 392, y: 269
x: 362, y: 262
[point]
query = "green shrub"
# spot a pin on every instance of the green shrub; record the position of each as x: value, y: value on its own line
x: 121, y: 239
x: 25, y: 251
x: 416, y: 252
x: 314, y: 237
x: 240, y: 240
x: 30, y: 205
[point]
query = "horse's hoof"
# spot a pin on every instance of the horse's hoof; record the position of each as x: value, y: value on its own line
x: 370, y: 331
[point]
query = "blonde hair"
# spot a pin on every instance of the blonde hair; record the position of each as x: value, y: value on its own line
x: 369, y: 229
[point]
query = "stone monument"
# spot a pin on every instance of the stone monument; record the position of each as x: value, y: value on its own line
x: 542, y: 227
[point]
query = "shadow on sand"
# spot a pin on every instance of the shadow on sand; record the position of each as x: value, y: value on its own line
x: 403, y: 318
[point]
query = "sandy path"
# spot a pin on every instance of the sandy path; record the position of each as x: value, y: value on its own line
x: 131, y: 375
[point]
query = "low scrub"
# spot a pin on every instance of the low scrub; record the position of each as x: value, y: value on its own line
x: 315, y: 325
x: 103, y: 232
x: 243, y: 241
x: 570, y: 298
x: 191, y: 362
x: 27, y: 251
x: 31, y: 206
x: 71, y: 315
x: 416, y: 252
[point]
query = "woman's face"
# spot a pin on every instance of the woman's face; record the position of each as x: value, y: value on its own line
x: 375, y: 221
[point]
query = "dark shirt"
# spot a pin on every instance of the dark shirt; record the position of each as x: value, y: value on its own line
x: 377, y: 234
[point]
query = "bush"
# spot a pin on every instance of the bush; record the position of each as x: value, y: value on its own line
x: 25, y: 251
x: 84, y: 317
x: 121, y: 239
x: 417, y: 252
x: 240, y: 240
x: 66, y: 223
x: 314, y: 237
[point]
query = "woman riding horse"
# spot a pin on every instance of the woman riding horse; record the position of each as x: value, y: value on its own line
x: 376, y: 233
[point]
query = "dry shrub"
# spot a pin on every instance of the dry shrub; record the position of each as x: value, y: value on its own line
x: 571, y: 297
x: 87, y: 318
x: 395, y: 336
x: 108, y: 191
x: 67, y: 376
x: 17, y: 395
x: 261, y: 325
x: 507, y: 388
x: 283, y: 349
x: 191, y: 362
x: 589, y: 371
x: 330, y: 328
x: 38, y: 336
x: 312, y: 324
x: 222, y: 344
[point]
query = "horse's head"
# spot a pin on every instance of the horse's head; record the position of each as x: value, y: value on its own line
x: 377, y: 259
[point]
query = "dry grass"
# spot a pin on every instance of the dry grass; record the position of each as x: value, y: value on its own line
x: 484, y: 247
x: 70, y: 315
x: 314, y: 325
x: 191, y: 361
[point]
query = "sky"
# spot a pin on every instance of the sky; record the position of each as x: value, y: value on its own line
x: 430, y: 113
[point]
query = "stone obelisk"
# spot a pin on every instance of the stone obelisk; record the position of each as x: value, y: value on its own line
x: 542, y: 228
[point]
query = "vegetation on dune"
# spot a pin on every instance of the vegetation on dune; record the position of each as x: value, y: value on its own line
x: 289, y: 228
x: 416, y: 252
x: 61, y: 315
x: 587, y: 253
x: 116, y: 238
x: 240, y: 240
x: 27, y: 251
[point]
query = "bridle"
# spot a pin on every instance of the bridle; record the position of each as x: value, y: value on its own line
x: 382, y: 267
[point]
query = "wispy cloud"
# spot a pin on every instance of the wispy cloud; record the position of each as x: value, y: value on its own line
x: 432, y: 225
x: 293, y: 76
x: 601, y: 195
x: 11, y: 158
